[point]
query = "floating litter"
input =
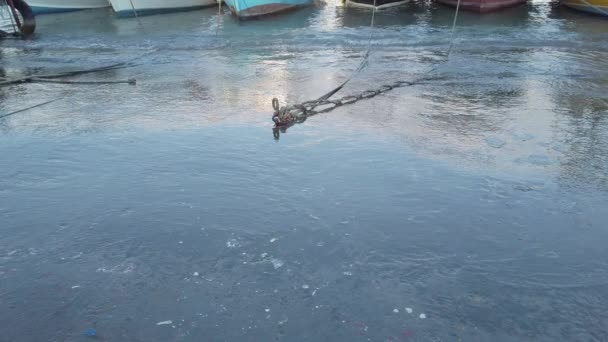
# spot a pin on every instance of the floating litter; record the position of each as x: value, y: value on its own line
x: 232, y: 243
x: 273, y: 240
x: 422, y: 316
x: 267, y: 310
x: 409, y: 310
x: 195, y: 274
x: 495, y: 142
x: 181, y: 242
x: 90, y: 333
x: 348, y: 273
x: 75, y: 286
x: 264, y: 255
x: 396, y: 310
x: 305, y: 286
x: 277, y: 263
x: 164, y: 323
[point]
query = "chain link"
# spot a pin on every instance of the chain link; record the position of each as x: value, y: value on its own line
x: 288, y: 115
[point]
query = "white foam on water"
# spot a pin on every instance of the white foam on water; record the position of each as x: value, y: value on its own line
x: 395, y: 310
x: 409, y: 310
x: 305, y: 286
x: 422, y: 316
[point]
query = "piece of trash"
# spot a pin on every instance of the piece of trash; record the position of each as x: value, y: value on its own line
x: 90, y: 332
x: 164, y: 323
x: 181, y: 242
x: 305, y: 286
x: 347, y: 273
x: 314, y: 292
x: 195, y: 274
x: 232, y: 243
x: 273, y: 240
x: 409, y: 310
x: 495, y: 142
x: 263, y: 255
x: 267, y: 310
x: 277, y: 263
x: 75, y: 286
x: 396, y: 310
x: 422, y: 316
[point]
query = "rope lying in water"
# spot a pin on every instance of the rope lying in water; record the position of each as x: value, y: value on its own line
x: 286, y: 116
x: 28, y: 108
x: 47, y: 77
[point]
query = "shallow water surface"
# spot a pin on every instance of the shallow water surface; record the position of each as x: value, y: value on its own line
x: 470, y: 207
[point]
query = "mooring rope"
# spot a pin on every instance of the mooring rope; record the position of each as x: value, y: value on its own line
x: 597, y: 8
x: 285, y: 116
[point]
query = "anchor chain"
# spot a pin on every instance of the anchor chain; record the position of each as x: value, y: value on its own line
x: 289, y: 115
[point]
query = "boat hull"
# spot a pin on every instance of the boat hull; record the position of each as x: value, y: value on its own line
x: 378, y: 4
x: 590, y: 6
x: 57, y: 6
x: 124, y: 8
x: 248, y: 9
x: 483, y: 6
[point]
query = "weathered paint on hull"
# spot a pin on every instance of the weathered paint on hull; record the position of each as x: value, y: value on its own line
x: 257, y: 8
x: 59, y: 6
x: 124, y: 8
x: 590, y: 6
x: 483, y: 6
x: 379, y: 4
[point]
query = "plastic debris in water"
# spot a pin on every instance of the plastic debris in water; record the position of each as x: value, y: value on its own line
x: 305, y: 286
x: 422, y: 316
x: 396, y: 310
x: 267, y: 310
x: 164, y: 323
x: 75, y: 286
x: 273, y: 240
x: 347, y: 273
x: 495, y: 142
x: 232, y: 243
x: 409, y: 310
x: 195, y: 274
x: 277, y: 263
x: 90, y: 332
x: 181, y: 242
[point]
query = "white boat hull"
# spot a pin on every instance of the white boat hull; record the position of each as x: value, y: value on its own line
x: 55, y: 6
x: 128, y: 8
x: 379, y: 5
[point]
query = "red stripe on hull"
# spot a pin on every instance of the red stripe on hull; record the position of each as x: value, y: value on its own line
x: 483, y: 6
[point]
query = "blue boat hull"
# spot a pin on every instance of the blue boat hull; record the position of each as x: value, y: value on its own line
x: 245, y: 9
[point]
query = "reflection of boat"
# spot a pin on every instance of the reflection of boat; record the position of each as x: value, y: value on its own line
x: 483, y: 6
x: 56, y: 6
x: 245, y: 9
x: 130, y: 8
x: 591, y: 6
x: 379, y: 4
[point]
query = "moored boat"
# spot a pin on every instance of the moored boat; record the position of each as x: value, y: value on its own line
x: 483, y: 6
x: 130, y: 8
x: 246, y: 9
x: 590, y: 6
x: 56, y: 6
x: 378, y: 4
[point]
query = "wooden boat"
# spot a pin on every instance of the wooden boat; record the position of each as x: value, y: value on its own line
x: 379, y: 4
x: 131, y: 8
x: 483, y: 6
x: 56, y: 6
x: 246, y: 9
x: 590, y: 6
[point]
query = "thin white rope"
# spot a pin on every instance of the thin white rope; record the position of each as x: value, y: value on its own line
x: 597, y: 8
